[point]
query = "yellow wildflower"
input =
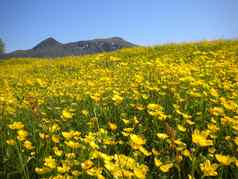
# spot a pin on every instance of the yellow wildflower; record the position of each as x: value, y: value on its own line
x: 112, y: 126
x: 140, y: 172
x: 166, y: 167
x: 212, y: 150
x: 68, y: 135
x: 136, y: 141
x: 236, y: 140
x: 157, y: 162
x: 22, y: 134
x: 87, y: 164
x: 63, y: 169
x: 28, y: 145
x: 72, y: 144
x: 50, y: 162
x: 188, y: 121
x: 162, y: 136
x: 70, y: 155
x: 187, y: 153
x: 55, y: 139
x: 57, y: 151
x: 43, y: 136
x: 155, y: 152
x: 217, y: 111
x: 117, y: 99
x: 11, y: 142
x: 190, y: 177
x: 85, y: 112
x: 208, y: 169
x: 181, y: 128
x: 224, y: 159
x: 144, y: 151
x: 213, y: 127
x: 200, y: 139
x: 55, y: 127
x: 42, y: 171
x: 66, y: 114
x: 76, y: 173
x: 16, y: 125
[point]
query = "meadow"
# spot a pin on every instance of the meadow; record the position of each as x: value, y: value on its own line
x: 169, y: 111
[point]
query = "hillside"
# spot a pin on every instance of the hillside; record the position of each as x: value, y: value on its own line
x: 52, y: 48
x: 168, y: 111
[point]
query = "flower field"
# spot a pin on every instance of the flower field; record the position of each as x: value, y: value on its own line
x: 168, y: 111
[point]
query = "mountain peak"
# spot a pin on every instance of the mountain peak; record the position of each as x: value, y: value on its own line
x: 52, y: 48
x: 49, y: 42
x: 117, y: 38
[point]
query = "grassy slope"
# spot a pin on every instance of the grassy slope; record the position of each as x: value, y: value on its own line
x: 149, y: 90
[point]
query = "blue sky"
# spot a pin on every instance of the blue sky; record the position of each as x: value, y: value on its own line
x: 24, y: 23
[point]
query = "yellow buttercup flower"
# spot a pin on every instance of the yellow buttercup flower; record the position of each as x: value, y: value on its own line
x: 166, y: 167
x: 11, y: 142
x: 16, y: 125
x: 212, y: 150
x: 42, y: 171
x: 87, y: 164
x: 126, y: 121
x: 55, y: 139
x: 190, y: 177
x: 22, y: 134
x: 58, y: 152
x: 140, y: 172
x: 68, y: 135
x: 224, y: 159
x: 208, y: 169
x: 155, y: 152
x: 63, y: 169
x: 72, y: 144
x: 28, y: 145
x: 50, y: 162
x: 112, y: 126
x: 136, y: 141
x: 188, y: 121
x: 66, y: 114
x: 156, y: 111
x: 187, y: 153
x: 43, y: 136
x: 85, y: 112
x: 162, y: 136
x: 144, y: 151
x: 157, y: 162
x: 54, y: 128
x: 217, y: 111
x: 117, y: 99
x: 70, y: 155
x: 200, y: 139
x: 76, y: 173
x: 181, y: 128
x: 236, y: 140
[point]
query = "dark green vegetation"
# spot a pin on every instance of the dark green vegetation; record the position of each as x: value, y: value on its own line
x: 2, y: 46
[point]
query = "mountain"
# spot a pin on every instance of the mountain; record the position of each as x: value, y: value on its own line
x: 52, y: 48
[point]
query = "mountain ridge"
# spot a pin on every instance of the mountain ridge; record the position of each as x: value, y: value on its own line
x: 50, y: 48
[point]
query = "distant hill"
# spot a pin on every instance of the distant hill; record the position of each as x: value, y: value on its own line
x: 52, y: 48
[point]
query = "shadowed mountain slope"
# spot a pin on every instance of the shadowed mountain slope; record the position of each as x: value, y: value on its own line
x: 52, y: 48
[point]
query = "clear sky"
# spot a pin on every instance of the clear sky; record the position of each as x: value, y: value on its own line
x: 24, y: 23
